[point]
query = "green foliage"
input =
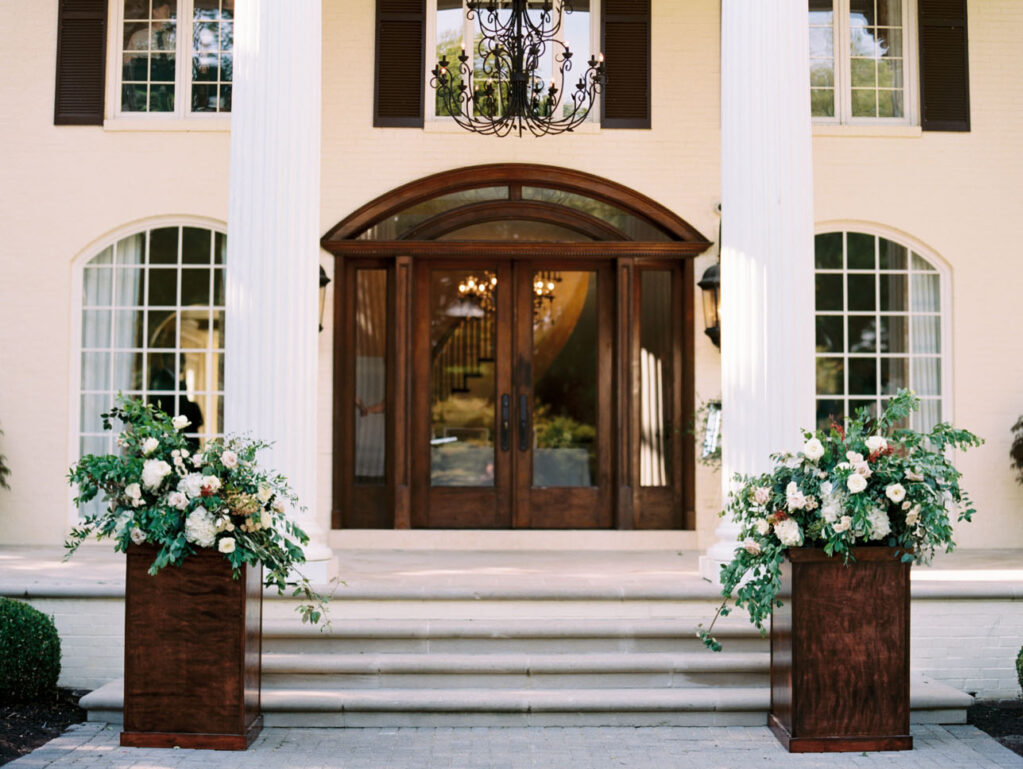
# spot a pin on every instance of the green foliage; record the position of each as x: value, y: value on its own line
x: 5, y: 471
x: 1015, y: 451
x: 870, y: 482
x: 29, y: 653
x: 157, y: 491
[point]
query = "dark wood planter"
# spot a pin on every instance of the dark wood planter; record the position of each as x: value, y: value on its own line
x: 840, y: 653
x: 192, y: 645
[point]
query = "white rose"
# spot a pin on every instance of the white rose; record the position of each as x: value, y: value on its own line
x: 895, y: 492
x: 788, y: 532
x: 191, y: 485
x: 153, y: 472
x: 751, y: 546
x: 794, y: 497
x: 263, y: 493
x: 211, y: 482
x: 197, y: 460
x: 138, y: 536
x: 826, y: 488
x: 853, y: 457
x: 181, y: 422
x: 226, y: 545
x: 229, y: 459
x: 912, y: 475
x: 149, y: 445
x: 813, y: 449
x: 134, y: 494
x: 856, y: 483
x: 763, y: 527
x: 876, y: 443
x: 879, y: 524
x: 177, y: 500
x: 843, y: 525
x: 761, y: 495
x: 863, y: 469
x: 200, y: 527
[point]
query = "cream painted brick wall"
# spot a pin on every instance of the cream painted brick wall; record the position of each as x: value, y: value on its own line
x: 91, y: 638
x: 64, y: 188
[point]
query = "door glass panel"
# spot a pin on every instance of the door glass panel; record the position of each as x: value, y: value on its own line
x: 370, y: 377
x: 463, y: 331
x: 564, y: 307
x: 655, y: 377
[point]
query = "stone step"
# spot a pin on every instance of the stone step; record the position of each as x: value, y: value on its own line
x: 931, y: 702
x: 514, y: 671
x: 501, y: 636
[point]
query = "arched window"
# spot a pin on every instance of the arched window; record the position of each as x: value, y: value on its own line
x: 880, y: 324
x: 152, y: 322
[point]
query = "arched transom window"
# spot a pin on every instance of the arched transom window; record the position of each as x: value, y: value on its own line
x: 880, y: 324
x: 153, y: 327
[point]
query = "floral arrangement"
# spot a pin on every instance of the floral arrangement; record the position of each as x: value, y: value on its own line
x: 163, y: 490
x: 868, y: 483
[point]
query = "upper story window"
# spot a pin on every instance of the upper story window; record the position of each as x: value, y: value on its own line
x: 859, y: 61
x: 175, y: 56
x: 454, y: 31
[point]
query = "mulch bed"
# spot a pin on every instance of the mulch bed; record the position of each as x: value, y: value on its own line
x: 26, y: 726
x: 1003, y: 720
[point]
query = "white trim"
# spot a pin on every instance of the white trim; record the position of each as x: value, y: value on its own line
x: 945, y: 272
x: 77, y: 264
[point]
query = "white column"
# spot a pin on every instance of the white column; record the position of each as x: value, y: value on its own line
x: 767, y: 293
x: 273, y: 245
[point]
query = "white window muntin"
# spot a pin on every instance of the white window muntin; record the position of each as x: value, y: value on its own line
x: 841, y: 41
x: 183, y: 51
x: 922, y: 263
x: 91, y: 389
x: 579, y: 58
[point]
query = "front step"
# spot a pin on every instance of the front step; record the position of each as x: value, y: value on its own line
x: 931, y: 702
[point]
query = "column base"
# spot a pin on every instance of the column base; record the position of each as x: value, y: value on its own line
x: 710, y: 568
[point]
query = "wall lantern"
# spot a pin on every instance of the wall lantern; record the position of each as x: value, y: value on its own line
x: 324, y: 280
x: 710, y: 284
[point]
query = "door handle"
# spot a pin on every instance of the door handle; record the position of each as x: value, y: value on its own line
x: 505, y: 421
x: 523, y: 423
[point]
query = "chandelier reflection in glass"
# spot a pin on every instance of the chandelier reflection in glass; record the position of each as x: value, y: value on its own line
x: 499, y: 87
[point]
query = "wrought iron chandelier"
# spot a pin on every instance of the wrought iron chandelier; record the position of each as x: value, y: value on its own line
x: 498, y: 87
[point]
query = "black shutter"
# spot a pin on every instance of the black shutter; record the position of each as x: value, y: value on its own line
x: 625, y: 37
x: 944, y: 66
x: 81, y: 62
x: 398, y: 92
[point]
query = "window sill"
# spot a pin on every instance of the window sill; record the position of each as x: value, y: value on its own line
x: 197, y: 125
x: 861, y: 131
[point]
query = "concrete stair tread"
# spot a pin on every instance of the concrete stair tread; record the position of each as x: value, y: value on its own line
x: 468, y: 663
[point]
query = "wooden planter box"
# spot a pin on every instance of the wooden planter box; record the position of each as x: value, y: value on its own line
x: 840, y: 653
x: 192, y: 645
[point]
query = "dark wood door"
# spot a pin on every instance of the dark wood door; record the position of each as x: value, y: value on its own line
x: 512, y: 377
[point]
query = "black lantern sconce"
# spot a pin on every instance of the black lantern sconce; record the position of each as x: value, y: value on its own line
x: 324, y: 280
x: 710, y: 284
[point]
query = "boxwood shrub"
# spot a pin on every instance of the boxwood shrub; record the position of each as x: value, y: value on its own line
x: 29, y: 653
x: 1019, y: 668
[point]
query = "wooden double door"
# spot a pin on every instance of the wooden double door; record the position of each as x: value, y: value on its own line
x: 512, y: 376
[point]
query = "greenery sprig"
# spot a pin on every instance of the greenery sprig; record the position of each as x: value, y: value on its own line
x: 871, y: 481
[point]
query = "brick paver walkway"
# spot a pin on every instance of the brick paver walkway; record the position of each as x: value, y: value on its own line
x: 95, y: 746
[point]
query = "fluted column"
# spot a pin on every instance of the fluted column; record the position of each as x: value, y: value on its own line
x: 767, y: 294
x: 273, y: 244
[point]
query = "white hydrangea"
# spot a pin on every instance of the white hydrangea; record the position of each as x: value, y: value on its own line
x: 813, y: 449
x: 826, y: 488
x: 876, y: 443
x: 832, y: 508
x: 153, y: 472
x: 788, y: 532
x: 879, y: 526
x: 794, y: 497
x: 191, y: 485
x: 200, y: 527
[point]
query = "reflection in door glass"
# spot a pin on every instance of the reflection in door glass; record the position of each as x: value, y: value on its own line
x: 370, y: 377
x: 462, y: 368
x: 655, y: 359
x: 564, y: 378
